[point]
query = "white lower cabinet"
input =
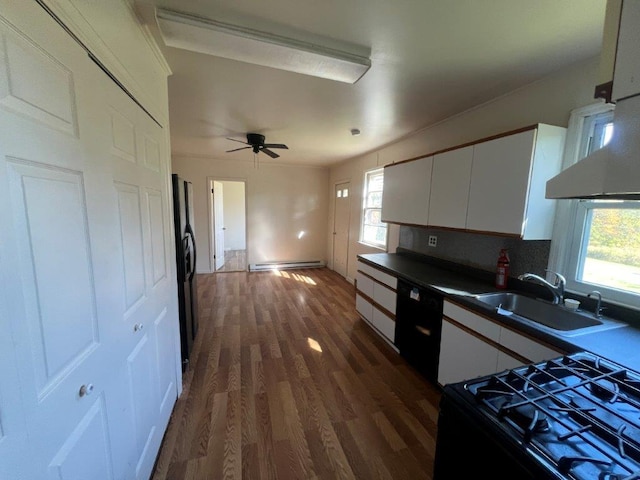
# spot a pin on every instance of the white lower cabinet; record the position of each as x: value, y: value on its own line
x: 376, y: 299
x: 473, y: 345
x: 463, y: 355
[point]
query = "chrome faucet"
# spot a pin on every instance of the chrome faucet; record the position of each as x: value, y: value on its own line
x: 597, y: 312
x: 556, y: 288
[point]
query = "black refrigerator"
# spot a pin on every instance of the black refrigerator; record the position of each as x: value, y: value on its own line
x: 186, y: 265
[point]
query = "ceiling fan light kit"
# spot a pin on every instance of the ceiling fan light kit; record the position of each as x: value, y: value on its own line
x: 211, y: 37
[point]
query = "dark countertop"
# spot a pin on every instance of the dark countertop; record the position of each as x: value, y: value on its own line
x: 459, y: 284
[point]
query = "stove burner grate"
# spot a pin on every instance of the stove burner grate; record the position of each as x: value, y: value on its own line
x: 579, y: 411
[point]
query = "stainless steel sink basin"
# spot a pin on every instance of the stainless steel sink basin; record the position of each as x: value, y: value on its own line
x: 555, y: 317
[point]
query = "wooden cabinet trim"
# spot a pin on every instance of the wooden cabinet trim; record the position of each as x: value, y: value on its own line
x: 488, y: 341
x: 451, y: 229
x: 468, y: 144
x: 508, y: 327
x: 376, y: 305
x: 377, y: 281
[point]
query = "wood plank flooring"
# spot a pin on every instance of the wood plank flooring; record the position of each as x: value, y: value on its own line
x: 287, y: 382
x: 234, y: 261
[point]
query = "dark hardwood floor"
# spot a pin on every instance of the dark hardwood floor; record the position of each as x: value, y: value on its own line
x: 287, y: 382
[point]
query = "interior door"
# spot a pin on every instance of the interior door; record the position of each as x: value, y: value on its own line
x: 341, y: 218
x: 218, y: 224
x: 145, y: 331
x: 88, y: 375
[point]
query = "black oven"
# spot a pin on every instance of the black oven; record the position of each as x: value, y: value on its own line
x: 418, y: 327
x: 574, y: 417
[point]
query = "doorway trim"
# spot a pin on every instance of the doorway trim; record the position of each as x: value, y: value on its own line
x: 210, y: 180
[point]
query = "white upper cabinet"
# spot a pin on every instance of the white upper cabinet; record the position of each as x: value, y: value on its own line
x: 450, y: 188
x: 508, y: 178
x: 626, y: 79
x: 495, y: 185
x: 407, y: 186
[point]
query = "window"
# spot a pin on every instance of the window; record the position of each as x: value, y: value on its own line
x: 609, y: 252
x: 602, y: 250
x: 373, y: 231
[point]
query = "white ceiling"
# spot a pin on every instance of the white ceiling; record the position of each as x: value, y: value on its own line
x: 430, y: 59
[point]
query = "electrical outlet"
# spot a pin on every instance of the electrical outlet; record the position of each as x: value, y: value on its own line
x: 433, y: 240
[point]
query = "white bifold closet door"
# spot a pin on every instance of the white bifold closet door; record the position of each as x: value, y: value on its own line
x: 87, y: 305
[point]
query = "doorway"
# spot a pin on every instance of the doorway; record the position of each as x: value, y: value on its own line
x: 228, y: 231
x: 341, y: 220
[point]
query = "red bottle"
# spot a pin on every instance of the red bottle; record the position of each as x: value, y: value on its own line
x: 502, y: 270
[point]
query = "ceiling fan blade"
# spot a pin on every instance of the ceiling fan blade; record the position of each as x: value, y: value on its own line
x: 239, y: 141
x: 275, y: 145
x: 236, y: 149
x: 269, y: 152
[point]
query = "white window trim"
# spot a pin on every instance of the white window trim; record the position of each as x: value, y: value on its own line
x: 365, y: 192
x: 570, y: 216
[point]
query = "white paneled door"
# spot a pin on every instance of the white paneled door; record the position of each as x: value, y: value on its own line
x: 87, y: 352
x: 341, y: 220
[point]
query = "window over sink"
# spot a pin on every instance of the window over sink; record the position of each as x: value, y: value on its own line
x: 597, y: 242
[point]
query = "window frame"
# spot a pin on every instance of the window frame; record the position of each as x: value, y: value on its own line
x: 363, y: 212
x: 568, y: 244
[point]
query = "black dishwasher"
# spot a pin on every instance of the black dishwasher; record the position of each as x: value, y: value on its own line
x: 418, y: 327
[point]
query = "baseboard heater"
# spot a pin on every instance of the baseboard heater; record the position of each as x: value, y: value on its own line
x: 254, y: 267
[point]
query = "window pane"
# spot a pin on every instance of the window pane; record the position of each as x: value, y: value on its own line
x: 613, y: 249
x: 372, y: 217
x: 339, y: 194
x: 374, y: 200
x: 375, y: 182
x: 375, y: 235
x: 345, y: 193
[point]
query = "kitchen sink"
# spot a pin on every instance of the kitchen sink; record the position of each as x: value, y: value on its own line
x: 558, y: 318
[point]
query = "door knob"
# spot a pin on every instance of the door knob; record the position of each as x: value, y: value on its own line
x: 137, y: 327
x: 85, y: 390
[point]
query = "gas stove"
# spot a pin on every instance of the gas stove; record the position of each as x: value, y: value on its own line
x: 573, y: 417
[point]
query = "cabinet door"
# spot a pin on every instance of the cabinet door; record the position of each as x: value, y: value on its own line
x: 529, y: 349
x: 385, y: 297
x: 463, y: 356
x: 405, y: 198
x: 364, y: 307
x: 499, y: 183
x: 507, y: 362
x: 385, y: 325
x: 626, y: 79
x: 450, y: 188
x: 364, y: 284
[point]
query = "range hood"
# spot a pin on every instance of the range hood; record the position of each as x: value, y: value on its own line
x: 613, y: 172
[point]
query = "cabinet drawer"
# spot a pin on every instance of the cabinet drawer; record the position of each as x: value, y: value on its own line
x: 478, y: 324
x: 384, y: 297
x: 364, y: 308
x: 385, y: 278
x: 526, y: 347
x: 384, y: 324
x: 364, y: 284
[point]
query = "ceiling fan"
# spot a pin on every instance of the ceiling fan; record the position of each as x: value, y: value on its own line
x: 255, y: 141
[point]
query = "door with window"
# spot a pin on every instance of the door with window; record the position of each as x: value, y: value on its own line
x: 341, y: 218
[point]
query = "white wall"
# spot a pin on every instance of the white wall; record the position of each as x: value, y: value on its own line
x: 234, y: 215
x: 282, y: 202
x: 549, y: 100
